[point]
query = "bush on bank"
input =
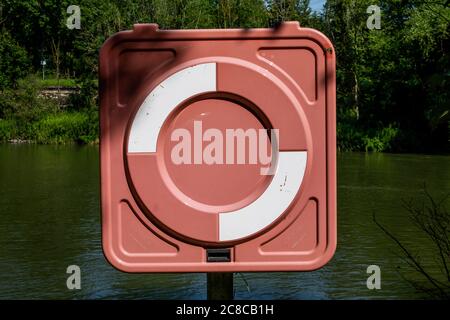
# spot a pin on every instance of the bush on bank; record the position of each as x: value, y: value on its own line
x: 25, y: 115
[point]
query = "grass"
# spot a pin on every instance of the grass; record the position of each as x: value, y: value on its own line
x: 25, y: 115
x: 57, y: 128
x: 66, y: 127
x: 7, y: 129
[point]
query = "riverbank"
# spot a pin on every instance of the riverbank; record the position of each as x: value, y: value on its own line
x: 37, y: 111
x: 68, y: 126
x: 57, y: 128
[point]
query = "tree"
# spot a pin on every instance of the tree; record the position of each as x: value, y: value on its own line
x: 14, y: 63
x: 240, y: 13
x: 393, y: 84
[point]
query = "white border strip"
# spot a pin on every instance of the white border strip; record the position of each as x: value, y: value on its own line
x: 163, y: 99
x: 271, y: 204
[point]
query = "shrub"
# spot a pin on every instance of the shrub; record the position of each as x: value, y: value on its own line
x: 14, y: 62
x: 86, y: 98
x: 25, y: 104
x: 382, y: 141
x: 7, y: 130
x: 349, y: 138
x: 66, y: 128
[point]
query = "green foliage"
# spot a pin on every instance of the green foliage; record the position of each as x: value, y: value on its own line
x: 348, y: 137
x: 86, y: 98
x: 382, y: 141
x: 399, y: 74
x: 240, y: 14
x: 352, y: 138
x: 7, y: 130
x: 14, y: 63
x: 24, y: 104
x: 28, y: 116
x: 393, y: 84
x: 67, y: 127
x: 290, y: 10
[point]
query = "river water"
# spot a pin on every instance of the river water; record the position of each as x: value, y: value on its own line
x: 50, y: 219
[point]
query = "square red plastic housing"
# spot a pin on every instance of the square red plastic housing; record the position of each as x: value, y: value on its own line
x: 198, y: 210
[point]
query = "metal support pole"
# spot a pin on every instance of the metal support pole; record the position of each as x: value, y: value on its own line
x: 219, y: 286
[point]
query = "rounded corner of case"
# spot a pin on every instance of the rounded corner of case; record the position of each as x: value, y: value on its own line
x: 113, y: 258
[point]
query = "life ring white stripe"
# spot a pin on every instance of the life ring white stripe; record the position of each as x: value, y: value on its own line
x: 163, y: 99
x: 271, y: 204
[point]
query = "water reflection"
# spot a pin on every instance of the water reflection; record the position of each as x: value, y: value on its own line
x: 49, y: 206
